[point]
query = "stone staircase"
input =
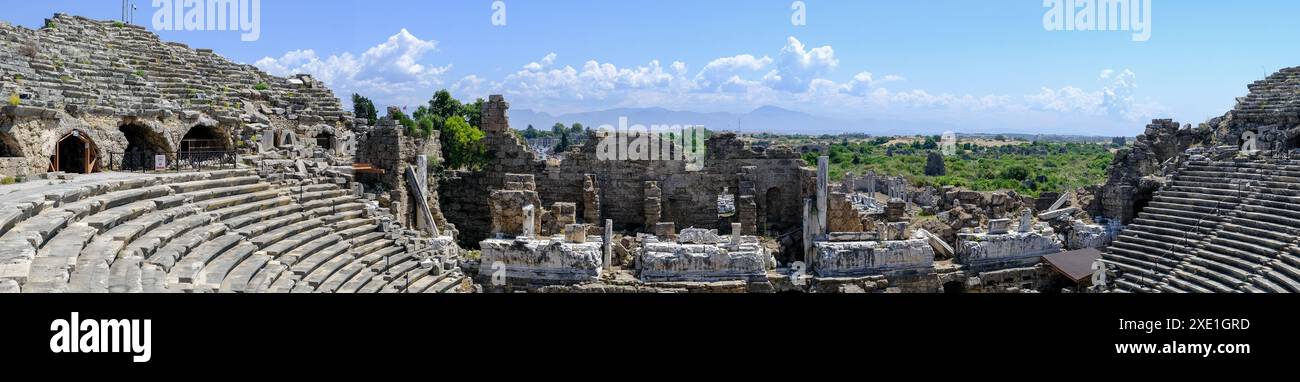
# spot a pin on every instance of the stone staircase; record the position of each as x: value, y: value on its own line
x: 110, y: 68
x: 1218, y: 227
x: 225, y: 231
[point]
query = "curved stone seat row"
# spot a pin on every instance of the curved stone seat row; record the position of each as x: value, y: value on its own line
x: 1218, y: 227
x: 216, y: 232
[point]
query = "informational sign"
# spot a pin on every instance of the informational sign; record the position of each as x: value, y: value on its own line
x: 159, y: 162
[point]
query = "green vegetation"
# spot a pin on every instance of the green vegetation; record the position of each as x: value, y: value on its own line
x: 1027, y: 168
x: 139, y: 73
x: 261, y: 86
x: 14, y: 100
x: 118, y: 24
x: 362, y: 107
x: 8, y: 180
x: 49, y: 24
x: 459, y: 124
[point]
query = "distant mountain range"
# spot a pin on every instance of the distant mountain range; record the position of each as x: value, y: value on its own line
x: 767, y: 119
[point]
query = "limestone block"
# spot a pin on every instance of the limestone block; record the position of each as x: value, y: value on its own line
x: 857, y: 259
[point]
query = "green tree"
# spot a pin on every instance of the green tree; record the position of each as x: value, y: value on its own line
x: 531, y: 132
x: 362, y: 107
x: 576, y: 129
x: 461, y: 143
x: 559, y: 129
x: 564, y: 144
x: 444, y: 105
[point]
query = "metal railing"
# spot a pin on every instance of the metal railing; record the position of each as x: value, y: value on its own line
x: 171, y: 161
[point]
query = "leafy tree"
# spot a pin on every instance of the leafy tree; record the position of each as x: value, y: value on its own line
x: 564, y: 144
x: 576, y: 129
x: 462, y: 144
x: 531, y: 132
x: 444, y: 105
x: 362, y: 107
x: 559, y: 129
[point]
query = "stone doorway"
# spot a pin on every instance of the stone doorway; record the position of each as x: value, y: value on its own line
x: 75, y: 153
x: 9, y: 146
x: 325, y: 140
x: 143, y: 146
x: 203, y: 139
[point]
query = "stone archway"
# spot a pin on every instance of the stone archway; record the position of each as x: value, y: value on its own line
x: 204, y: 139
x: 9, y: 146
x: 325, y: 140
x: 143, y: 146
x: 75, y: 153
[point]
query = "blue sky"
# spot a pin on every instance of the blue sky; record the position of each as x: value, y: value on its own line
x: 989, y: 65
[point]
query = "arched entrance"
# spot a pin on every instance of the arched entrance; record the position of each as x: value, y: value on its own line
x: 325, y: 140
x: 75, y: 153
x: 205, y: 146
x: 9, y: 146
x: 204, y: 139
x: 143, y: 147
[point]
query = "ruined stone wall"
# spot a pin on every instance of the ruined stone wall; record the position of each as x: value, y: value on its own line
x: 96, y: 76
x: 689, y: 199
x: 387, y: 147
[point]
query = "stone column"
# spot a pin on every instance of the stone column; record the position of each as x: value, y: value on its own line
x: 608, y: 245
x: 530, y: 217
x: 736, y: 231
x: 1026, y: 220
x: 823, y: 177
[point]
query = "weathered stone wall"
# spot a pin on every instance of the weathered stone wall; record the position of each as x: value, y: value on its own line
x: 96, y: 76
x: 689, y: 199
x: 387, y: 147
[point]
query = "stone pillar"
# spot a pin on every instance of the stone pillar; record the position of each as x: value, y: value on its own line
x: 823, y: 178
x: 736, y: 231
x: 1026, y: 220
x: 653, y: 206
x: 871, y: 184
x: 809, y: 227
x: 590, y: 200
x: 609, y: 244
x: 530, y: 216
x: 494, y: 118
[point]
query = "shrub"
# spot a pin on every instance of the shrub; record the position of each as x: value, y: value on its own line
x: 8, y: 180
x: 262, y: 86
x: 14, y: 100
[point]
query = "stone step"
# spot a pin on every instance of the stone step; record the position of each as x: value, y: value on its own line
x: 392, y: 280
x: 266, y: 200
x: 311, y: 262
x: 148, y: 244
x: 239, y: 279
x: 126, y: 275
x: 1208, y: 278
x: 214, y: 273
x: 1255, y: 235
x: 1243, y: 250
x: 265, y: 278
x: 187, y: 267
x: 359, y: 282
x: 364, y: 257
x: 325, y: 270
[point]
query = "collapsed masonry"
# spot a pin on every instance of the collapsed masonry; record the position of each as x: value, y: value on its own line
x: 766, y: 183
